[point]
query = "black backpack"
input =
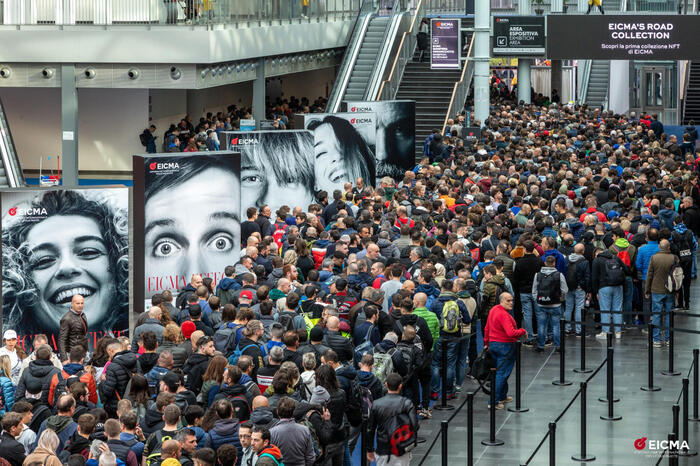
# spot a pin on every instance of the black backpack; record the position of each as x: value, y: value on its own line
x: 548, y: 289
x: 684, y: 245
x: 402, y: 437
x: 286, y: 320
x: 572, y: 275
x: 614, y: 271
x: 144, y: 137
x: 355, y: 400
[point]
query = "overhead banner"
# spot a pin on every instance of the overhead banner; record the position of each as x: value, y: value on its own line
x: 395, y: 138
x: 58, y: 243
x: 444, y: 44
x: 516, y: 36
x: 277, y: 167
x: 187, y: 219
x: 343, y: 147
x: 623, y: 37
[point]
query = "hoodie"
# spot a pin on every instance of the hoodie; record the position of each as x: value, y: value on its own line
x: 229, y: 283
x: 666, y: 217
x: 265, y: 458
x: 153, y: 421
x: 64, y: 426
x: 681, y: 229
x: 263, y: 417
x: 369, y: 380
x: 621, y: 244
x: 225, y: 431
x: 583, y: 271
x: 561, y: 260
x: 388, y: 249
x: 429, y: 290
x: 562, y: 284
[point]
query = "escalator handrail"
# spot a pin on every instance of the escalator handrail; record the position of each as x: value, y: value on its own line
x: 13, y: 171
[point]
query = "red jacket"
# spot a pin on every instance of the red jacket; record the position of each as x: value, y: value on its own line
x: 500, y: 326
x: 591, y: 210
x: 89, y: 381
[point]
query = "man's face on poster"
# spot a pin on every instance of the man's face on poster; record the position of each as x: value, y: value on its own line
x: 395, y: 148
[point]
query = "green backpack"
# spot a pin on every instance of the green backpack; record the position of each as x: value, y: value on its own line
x: 278, y: 463
x: 451, y: 318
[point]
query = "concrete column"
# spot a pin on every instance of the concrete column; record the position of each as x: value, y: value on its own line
x: 69, y: 126
x: 524, y: 8
x: 524, y: 79
x: 482, y: 27
x: 556, y: 77
x: 195, y: 104
x: 259, y: 93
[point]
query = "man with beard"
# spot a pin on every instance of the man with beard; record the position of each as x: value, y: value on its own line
x: 73, y: 327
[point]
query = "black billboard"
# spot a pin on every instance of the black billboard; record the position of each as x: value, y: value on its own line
x: 515, y: 36
x: 652, y: 37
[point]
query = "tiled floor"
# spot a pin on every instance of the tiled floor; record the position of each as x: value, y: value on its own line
x: 644, y: 414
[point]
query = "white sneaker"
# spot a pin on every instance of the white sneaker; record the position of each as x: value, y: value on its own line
x: 618, y: 335
x: 602, y: 336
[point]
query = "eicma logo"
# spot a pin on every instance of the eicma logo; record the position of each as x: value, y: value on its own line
x: 643, y: 443
x: 164, y: 166
x: 360, y: 121
x: 33, y: 212
x: 360, y: 109
x: 243, y: 141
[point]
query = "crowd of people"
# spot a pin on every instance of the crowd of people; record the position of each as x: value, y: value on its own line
x: 190, y: 136
x: 336, y: 315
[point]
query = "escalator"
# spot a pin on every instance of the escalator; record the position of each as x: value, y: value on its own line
x: 598, y: 82
x: 10, y: 171
x: 366, y: 59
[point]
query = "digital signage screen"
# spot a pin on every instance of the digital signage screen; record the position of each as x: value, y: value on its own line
x: 444, y: 44
x: 518, y: 36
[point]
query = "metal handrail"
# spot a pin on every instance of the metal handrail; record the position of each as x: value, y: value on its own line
x: 684, y: 88
x: 461, y: 88
x: 407, y: 48
x: 13, y: 171
x: 364, y: 17
x: 383, y: 55
x: 587, y: 65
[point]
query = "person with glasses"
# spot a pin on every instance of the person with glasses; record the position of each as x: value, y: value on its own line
x: 249, y: 457
x: 500, y: 335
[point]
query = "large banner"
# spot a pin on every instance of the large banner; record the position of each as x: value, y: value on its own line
x: 444, y: 44
x: 343, y: 147
x: 623, y: 37
x: 278, y: 168
x: 395, y: 137
x: 515, y: 36
x: 58, y: 243
x: 187, y: 219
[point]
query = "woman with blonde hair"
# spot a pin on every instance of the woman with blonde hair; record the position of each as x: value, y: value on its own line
x: 45, y: 451
x: 7, y: 389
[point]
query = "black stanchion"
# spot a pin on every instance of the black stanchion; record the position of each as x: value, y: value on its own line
x: 609, y: 367
x: 676, y: 410
x: 518, y: 395
x: 686, y: 451
x: 582, y: 369
x: 443, y: 406
x: 610, y: 396
x: 552, y: 443
x: 583, y: 457
x: 670, y: 372
x: 443, y: 434
x: 470, y: 428
x: 672, y: 449
x: 562, y: 353
x: 696, y: 369
x: 363, y: 445
x: 649, y: 387
x: 492, y: 440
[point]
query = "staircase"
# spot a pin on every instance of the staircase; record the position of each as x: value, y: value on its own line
x: 366, y: 59
x: 691, y: 108
x: 10, y: 176
x: 432, y: 91
x: 598, y: 82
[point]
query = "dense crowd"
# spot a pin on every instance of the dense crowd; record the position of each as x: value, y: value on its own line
x: 339, y: 312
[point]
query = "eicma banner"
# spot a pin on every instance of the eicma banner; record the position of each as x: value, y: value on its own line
x: 187, y: 219
x: 444, y: 44
x: 622, y: 37
x: 58, y: 243
x: 277, y: 168
x: 343, y: 146
x: 395, y: 137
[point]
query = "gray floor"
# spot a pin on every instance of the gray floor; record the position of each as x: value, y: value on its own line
x: 644, y: 414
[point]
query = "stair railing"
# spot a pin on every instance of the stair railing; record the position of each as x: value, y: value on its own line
x: 367, y: 11
x: 684, y: 89
x: 13, y: 170
x: 460, y: 92
x: 407, y: 47
x: 587, y: 65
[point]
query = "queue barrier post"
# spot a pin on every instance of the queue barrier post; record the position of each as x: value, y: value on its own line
x: 583, y: 457
x: 443, y: 438
x: 552, y: 443
x: 610, y: 394
x: 518, y: 394
x: 671, y: 372
x: 696, y: 369
x: 561, y: 382
x: 649, y: 387
x: 672, y: 451
x: 492, y: 440
x: 470, y: 428
x: 582, y: 369
x: 686, y: 451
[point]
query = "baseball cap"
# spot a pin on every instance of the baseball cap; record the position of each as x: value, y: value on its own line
x: 246, y: 294
x: 172, y: 380
x: 9, y: 335
x: 188, y: 328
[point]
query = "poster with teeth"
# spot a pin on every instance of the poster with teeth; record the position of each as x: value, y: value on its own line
x: 343, y: 146
x: 58, y: 243
x: 277, y: 168
x: 395, y: 136
x: 187, y: 220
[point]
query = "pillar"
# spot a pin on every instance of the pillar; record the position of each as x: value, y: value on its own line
x: 69, y: 126
x: 524, y: 8
x: 482, y: 26
x: 524, y: 79
x: 555, y: 77
x: 195, y: 104
x: 259, y: 93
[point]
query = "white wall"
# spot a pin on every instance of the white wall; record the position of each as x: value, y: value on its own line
x: 311, y: 84
x: 619, y: 101
x: 109, y: 122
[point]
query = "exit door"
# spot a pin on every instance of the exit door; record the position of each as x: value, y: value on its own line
x: 653, y: 89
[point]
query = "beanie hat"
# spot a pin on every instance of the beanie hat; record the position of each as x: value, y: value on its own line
x: 316, y: 334
x: 188, y: 328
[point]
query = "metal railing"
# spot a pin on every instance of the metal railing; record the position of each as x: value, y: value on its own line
x: 461, y: 89
x: 407, y: 47
x: 366, y: 13
x: 587, y: 65
x: 654, y: 6
x: 684, y: 90
x: 13, y: 171
x: 173, y: 12
x: 387, y: 45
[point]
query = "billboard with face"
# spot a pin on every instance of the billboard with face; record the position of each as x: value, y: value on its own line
x: 395, y: 137
x: 57, y: 243
x: 343, y: 148
x: 186, y: 219
x: 277, y: 167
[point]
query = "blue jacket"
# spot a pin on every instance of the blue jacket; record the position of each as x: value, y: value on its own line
x: 8, y: 394
x: 561, y: 260
x: 224, y: 431
x: 666, y: 217
x: 155, y: 375
x: 227, y: 283
x: 680, y: 229
x: 644, y: 254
